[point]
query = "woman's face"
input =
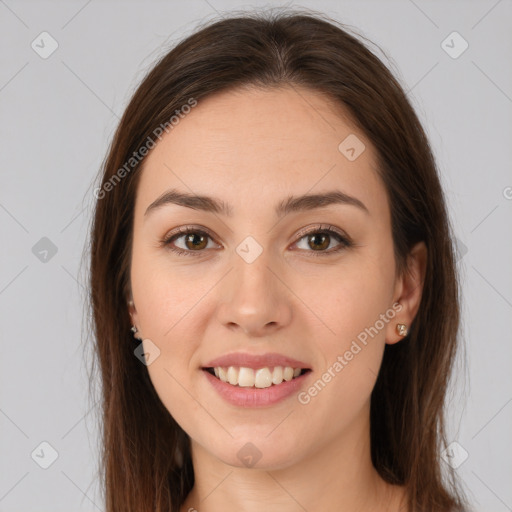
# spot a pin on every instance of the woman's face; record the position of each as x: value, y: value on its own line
x: 265, y: 285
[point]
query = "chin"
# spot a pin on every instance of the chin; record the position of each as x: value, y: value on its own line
x: 254, y: 452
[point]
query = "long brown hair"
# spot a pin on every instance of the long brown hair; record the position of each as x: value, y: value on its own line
x: 271, y: 49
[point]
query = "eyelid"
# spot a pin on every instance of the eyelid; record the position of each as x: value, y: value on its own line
x: 185, y: 230
x: 320, y: 228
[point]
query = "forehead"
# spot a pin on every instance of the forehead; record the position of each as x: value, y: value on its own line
x: 252, y: 146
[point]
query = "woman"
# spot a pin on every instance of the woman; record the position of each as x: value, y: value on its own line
x: 271, y: 229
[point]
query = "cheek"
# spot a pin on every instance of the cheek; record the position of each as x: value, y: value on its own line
x: 166, y: 293
x: 169, y: 305
x: 355, y: 306
x: 352, y: 356
x: 350, y: 299
x: 169, y: 309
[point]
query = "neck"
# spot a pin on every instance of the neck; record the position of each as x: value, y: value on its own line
x: 338, y: 476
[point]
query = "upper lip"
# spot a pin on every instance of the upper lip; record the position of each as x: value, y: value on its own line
x: 255, y: 361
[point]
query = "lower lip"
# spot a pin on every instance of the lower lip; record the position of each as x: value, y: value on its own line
x: 256, y: 397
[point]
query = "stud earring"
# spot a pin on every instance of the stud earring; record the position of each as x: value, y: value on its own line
x: 134, y: 327
x: 135, y: 331
x: 401, y: 329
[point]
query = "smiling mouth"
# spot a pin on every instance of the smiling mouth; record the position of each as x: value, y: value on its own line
x: 256, y: 378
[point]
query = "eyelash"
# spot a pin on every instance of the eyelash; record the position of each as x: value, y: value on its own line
x: 345, y: 242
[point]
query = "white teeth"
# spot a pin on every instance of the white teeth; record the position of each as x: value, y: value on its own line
x: 245, y: 377
x: 277, y: 376
x: 232, y: 375
x: 263, y: 378
x: 260, y: 378
x: 288, y: 373
x: 222, y: 374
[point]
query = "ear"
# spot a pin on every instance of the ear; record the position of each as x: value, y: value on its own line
x: 408, y: 292
x: 131, y: 309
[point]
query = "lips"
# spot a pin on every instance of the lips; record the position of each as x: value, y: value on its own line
x: 245, y: 379
x: 245, y: 396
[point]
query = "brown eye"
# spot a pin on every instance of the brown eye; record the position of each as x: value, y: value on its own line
x: 195, y: 241
x: 319, y: 241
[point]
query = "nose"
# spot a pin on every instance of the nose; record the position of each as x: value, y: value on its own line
x: 255, y: 299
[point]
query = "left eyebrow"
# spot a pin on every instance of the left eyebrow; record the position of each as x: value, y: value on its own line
x: 288, y: 205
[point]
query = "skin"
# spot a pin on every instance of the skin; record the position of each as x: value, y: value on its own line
x: 252, y: 148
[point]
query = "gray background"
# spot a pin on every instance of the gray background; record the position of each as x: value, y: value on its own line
x: 57, y: 117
